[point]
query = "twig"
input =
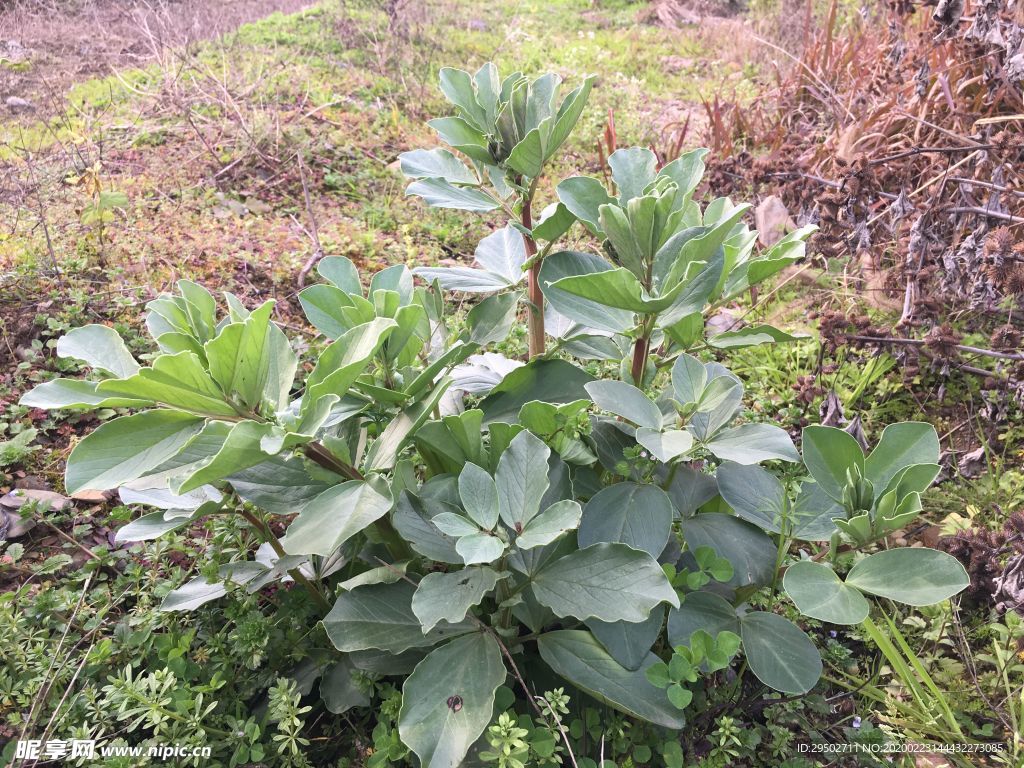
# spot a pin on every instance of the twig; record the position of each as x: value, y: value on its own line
x: 927, y: 150
x: 990, y: 214
x: 987, y: 185
x: 70, y: 539
x: 826, y: 182
x: 922, y: 342
x: 561, y: 730
x: 56, y: 653
x: 314, y: 233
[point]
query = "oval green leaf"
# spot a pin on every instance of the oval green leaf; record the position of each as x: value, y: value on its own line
x: 910, y: 575
x: 818, y: 592
x: 579, y: 658
x: 780, y: 654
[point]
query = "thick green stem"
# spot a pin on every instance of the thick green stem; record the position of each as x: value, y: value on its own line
x: 536, y: 319
x: 505, y: 613
x: 382, y: 528
x: 268, y: 536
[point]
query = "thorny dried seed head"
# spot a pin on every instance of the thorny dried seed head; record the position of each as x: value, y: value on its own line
x: 999, y: 243
x: 941, y: 341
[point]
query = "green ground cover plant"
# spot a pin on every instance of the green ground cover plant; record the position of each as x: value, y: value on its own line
x: 467, y: 530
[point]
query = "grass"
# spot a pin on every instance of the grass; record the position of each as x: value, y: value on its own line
x: 345, y: 87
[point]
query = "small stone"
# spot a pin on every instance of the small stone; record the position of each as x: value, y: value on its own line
x: 772, y: 221
x: 18, y: 104
x: 21, y: 496
x: 12, y: 525
x: 93, y: 497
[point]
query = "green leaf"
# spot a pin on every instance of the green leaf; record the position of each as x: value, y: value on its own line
x: 528, y: 156
x: 504, y: 253
x: 910, y: 575
x: 462, y: 136
x: 629, y: 513
x: 322, y: 304
x: 590, y: 313
x: 335, y: 516
x: 179, y: 381
x: 491, y: 320
x: 479, y: 495
x: 383, y: 452
x: 554, y: 521
x: 689, y: 379
x: 665, y: 446
x: 522, y: 479
x: 479, y: 548
x: 345, y: 359
x: 380, y: 616
x: 412, y: 519
x: 753, y: 443
x: 439, y: 193
x: 458, y: 88
x: 449, y: 596
x: 383, y: 574
x: 701, y: 611
x: 577, y: 656
x: 127, y: 448
x: 829, y: 453
x: 750, y: 550
x: 448, y: 700
x: 626, y: 401
x: 679, y: 696
x: 98, y: 347
x: 283, y: 363
x: 464, y: 279
x: 633, y: 169
x: 554, y: 222
x: 629, y: 643
x: 751, y: 336
x: 241, y: 449
x: 550, y: 381
x: 813, y: 513
x: 658, y: 674
x: 149, y: 527
x: 281, y: 485
x: 779, y: 653
x: 900, y: 446
x: 686, y: 170
x: 395, y: 278
x: 583, y: 196
x: 569, y: 114
x: 624, y: 234
x: 916, y: 478
x: 617, y: 288
x: 76, y: 393
x: 454, y: 524
x: 339, y: 690
x: 611, y: 582
x: 436, y: 163
x: 239, y: 356
x: 193, y: 594
x: 341, y: 272
x: 754, y: 494
x: 818, y: 592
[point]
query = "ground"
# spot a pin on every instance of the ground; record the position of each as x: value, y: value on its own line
x: 235, y: 143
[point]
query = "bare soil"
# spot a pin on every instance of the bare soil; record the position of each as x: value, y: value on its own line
x: 48, y: 45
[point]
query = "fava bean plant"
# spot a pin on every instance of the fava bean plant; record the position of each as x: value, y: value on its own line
x: 464, y: 520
